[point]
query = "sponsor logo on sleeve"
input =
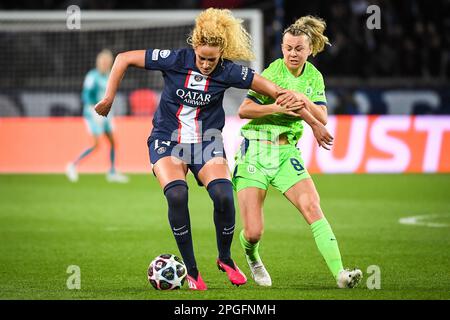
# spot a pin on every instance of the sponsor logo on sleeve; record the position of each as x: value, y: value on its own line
x: 244, y: 73
x: 155, y: 54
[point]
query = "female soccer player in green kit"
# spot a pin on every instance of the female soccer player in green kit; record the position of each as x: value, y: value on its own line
x: 269, y: 155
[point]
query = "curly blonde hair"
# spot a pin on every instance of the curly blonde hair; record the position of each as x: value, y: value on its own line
x: 313, y: 28
x: 219, y: 28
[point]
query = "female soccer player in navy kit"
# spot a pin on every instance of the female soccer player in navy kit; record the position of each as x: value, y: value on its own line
x: 188, y: 123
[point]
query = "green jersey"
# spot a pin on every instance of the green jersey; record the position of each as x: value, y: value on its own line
x: 310, y: 83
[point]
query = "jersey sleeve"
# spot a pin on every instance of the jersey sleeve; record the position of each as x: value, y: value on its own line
x: 260, y: 98
x: 89, y: 86
x: 318, y: 94
x: 157, y: 59
x: 240, y: 76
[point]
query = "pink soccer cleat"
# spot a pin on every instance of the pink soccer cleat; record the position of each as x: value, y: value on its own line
x: 236, y: 276
x: 198, y: 284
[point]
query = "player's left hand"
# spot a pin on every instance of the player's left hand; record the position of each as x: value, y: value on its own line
x: 295, y: 106
x: 286, y: 97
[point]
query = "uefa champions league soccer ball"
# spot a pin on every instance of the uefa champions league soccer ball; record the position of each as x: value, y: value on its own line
x: 167, y: 272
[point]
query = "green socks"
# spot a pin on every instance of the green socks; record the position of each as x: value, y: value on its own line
x: 327, y: 245
x: 251, y: 249
x: 325, y: 241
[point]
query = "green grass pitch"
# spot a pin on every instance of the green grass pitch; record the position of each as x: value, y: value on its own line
x: 113, y: 231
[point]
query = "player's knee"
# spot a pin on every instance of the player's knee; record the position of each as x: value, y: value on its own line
x: 225, y: 201
x: 221, y: 192
x: 311, y: 208
x: 176, y: 193
x: 253, y: 234
x: 314, y: 207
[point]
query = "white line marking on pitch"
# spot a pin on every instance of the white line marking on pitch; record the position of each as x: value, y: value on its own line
x: 421, y: 220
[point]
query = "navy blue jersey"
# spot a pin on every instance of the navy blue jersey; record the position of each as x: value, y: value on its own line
x: 191, y: 103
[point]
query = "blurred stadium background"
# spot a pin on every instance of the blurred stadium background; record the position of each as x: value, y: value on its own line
x: 401, y: 69
x: 389, y: 99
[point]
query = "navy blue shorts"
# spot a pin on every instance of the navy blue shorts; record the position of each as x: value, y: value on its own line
x: 195, y: 155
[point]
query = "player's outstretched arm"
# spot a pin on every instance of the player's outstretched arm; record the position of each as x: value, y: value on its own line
x: 265, y: 87
x: 251, y: 110
x: 269, y: 89
x: 123, y: 60
x: 318, y: 111
x: 290, y: 101
x: 288, y: 98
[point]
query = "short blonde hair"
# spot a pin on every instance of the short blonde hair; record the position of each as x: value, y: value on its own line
x: 219, y: 28
x: 313, y: 28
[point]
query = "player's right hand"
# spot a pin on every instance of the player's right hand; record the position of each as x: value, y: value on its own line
x: 323, y: 137
x: 103, y: 107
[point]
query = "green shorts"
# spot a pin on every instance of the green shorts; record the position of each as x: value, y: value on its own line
x: 259, y: 165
